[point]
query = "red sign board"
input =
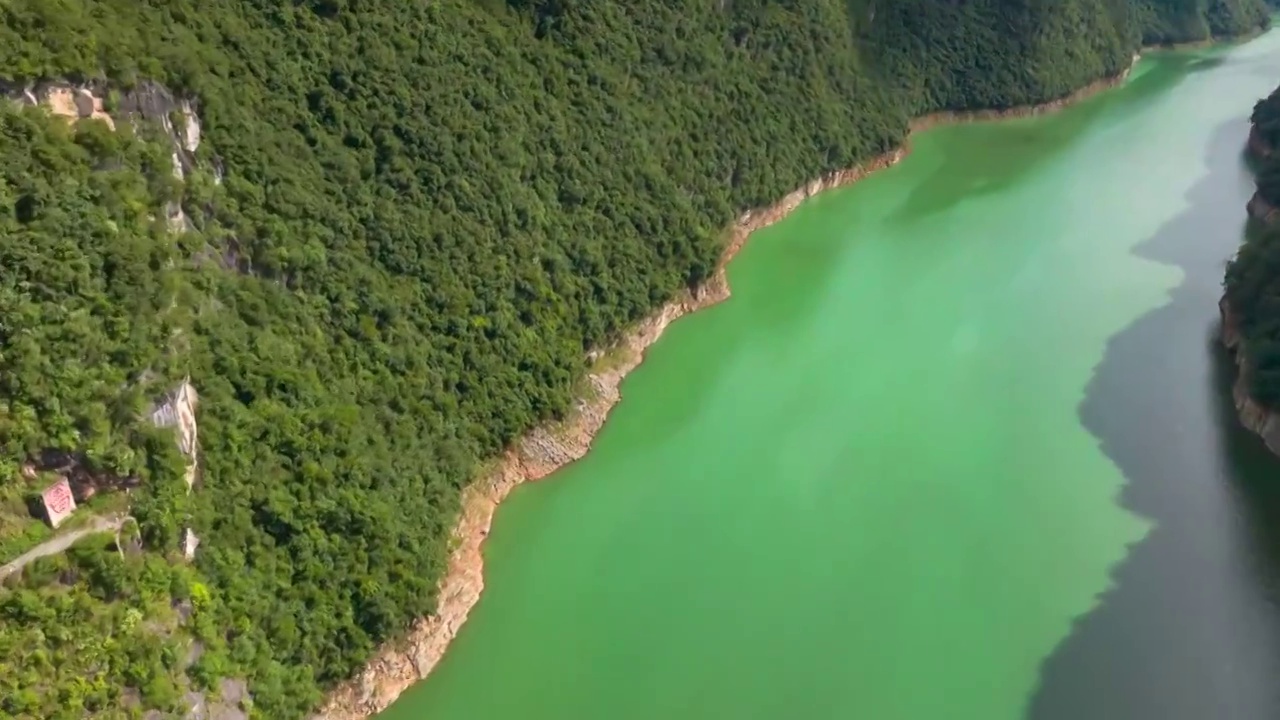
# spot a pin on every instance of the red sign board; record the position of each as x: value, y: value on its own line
x: 58, y: 502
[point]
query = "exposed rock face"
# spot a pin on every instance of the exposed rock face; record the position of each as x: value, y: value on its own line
x: 233, y: 697
x: 156, y: 103
x: 76, y: 103
x: 153, y: 102
x: 178, y: 410
x: 1262, y: 210
x: 1258, y: 145
x: 176, y: 219
x: 1253, y: 415
x: 1258, y: 419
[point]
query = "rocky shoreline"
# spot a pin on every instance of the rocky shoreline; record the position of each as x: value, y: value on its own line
x: 1258, y: 145
x: 401, y: 664
x: 1253, y: 415
x: 1261, y: 210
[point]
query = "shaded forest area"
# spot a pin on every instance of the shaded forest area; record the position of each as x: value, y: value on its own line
x: 412, y: 220
x: 1263, y: 141
x: 1252, y: 280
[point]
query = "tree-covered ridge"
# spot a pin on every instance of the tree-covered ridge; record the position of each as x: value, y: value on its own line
x: 1252, y: 280
x: 428, y: 213
x: 1180, y: 21
x: 1264, y: 140
x: 1266, y: 120
x: 1253, y: 293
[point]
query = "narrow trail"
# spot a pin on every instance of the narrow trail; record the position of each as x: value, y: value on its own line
x: 55, y: 545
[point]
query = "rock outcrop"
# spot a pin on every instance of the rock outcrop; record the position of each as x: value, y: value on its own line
x: 178, y: 410
x: 1253, y: 415
x: 1261, y: 210
x: 176, y: 116
x: 1256, y: 417
x: 94, y: 100
x: 1259, y: 146
x: 77, y: 103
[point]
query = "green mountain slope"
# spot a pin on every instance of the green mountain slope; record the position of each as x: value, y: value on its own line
x: 410, y: 222
x: 1252, y: 282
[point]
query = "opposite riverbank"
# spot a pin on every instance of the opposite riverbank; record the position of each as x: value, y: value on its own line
x: 1254, y: 415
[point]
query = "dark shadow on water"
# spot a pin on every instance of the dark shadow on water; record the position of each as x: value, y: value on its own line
x: 1191, y: 626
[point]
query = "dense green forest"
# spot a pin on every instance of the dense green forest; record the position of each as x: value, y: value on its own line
x: 411, y: 222
x: 1253, y: 277
x: 1181, y: 21
x: 1266, y: 119
x: 1266, y: 129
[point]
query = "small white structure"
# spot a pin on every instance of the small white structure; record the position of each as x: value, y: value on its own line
x: 59, y: 503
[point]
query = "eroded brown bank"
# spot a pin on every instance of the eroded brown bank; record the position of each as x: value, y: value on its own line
x: 401, y: 664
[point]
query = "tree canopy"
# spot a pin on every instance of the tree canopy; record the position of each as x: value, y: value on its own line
x: 1252, y: 280
x: 411, y: 221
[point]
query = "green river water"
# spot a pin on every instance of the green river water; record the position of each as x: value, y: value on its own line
x: 913, y: 468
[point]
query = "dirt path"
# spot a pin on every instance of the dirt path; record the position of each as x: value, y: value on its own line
x: 55, y: 545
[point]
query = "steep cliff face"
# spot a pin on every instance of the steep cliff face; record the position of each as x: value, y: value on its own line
x: 1260, y: 144
x: 1259, y: 419
x: 178, y: 411
x: 146, y: 103
x: 1252, y: 284
x: 1260, y: 209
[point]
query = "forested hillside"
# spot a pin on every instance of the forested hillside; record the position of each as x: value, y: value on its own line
x: 1180, y: 21
x: 412, y: 220
x: 1263, y: 141
x: 1253, y: 277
